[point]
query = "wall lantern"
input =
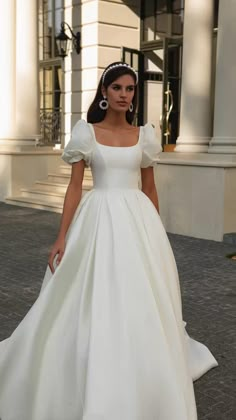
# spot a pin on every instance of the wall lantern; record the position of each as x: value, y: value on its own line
x: 62, y: 41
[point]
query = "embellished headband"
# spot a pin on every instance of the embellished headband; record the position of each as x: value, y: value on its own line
x: 119, y: 65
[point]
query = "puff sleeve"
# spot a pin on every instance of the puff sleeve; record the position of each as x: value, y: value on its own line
x: 151, y: 147
x: 80, y: 145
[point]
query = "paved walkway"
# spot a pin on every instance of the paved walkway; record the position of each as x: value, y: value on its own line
x: 207, y: 279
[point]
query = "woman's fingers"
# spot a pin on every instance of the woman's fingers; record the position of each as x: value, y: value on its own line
x: 56, y: 254
x: 50, y: 263
x: 51, y: 267
x: 51, y: 259
x: 60, y: 255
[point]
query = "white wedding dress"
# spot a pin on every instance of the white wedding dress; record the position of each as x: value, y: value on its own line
x: 105, y: 339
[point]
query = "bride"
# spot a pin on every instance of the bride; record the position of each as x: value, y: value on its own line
x: 105, y: 339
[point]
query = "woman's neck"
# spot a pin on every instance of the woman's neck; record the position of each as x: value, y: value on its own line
x: 115, y: 119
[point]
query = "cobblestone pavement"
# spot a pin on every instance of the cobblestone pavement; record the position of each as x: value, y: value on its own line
x: 207, y: 280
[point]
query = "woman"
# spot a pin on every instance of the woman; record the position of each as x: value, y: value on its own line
x: 105, y: 339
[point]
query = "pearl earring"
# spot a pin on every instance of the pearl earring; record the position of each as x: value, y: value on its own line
x: 131, y: 107
x: 103, y: 104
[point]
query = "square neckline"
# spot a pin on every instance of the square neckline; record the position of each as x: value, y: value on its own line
x: 114, y: 147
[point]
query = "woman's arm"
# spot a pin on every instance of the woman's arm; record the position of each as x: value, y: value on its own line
x: 71, y: 201
x: 148, y: 185
x: 72, y: 197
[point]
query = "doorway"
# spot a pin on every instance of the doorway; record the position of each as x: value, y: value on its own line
x: 161, y: 38
x: 171, y: 90
x: 159, y: 73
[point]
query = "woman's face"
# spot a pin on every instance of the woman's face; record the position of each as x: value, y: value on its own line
x: 120, y: 93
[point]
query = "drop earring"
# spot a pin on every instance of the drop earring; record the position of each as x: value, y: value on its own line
x: 103, y: 104
x: 131, y: 107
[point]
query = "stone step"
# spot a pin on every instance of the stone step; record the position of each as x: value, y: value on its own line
x: 60, y: 187
x: 66, y: 169
x: 37, y: 203
x: 51, y: 186
x: 64, y: 178
x: 59, y: 178
x: 49, y: 196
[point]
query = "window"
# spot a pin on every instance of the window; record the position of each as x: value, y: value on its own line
x: 162, y: 18
x: 50, y: 16
x: 50, y: 87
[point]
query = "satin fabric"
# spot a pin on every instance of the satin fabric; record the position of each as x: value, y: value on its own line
x: 105, y: 339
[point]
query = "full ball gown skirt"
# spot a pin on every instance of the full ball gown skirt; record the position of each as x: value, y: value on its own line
x: 105, y: 339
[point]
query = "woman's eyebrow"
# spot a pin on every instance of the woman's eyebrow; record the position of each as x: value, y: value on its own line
x: 117, y: 84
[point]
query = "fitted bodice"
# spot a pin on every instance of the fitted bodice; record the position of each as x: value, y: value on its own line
x: 116, y: 167
x: 112, y: 166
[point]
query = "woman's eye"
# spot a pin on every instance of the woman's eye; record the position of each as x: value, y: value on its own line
x: 115, y: 87
x: 130, y: 88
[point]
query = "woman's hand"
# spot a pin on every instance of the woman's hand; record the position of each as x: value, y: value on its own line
x: 57, y: 249
x: 71, y: 202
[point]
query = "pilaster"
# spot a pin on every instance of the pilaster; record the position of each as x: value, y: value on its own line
x: 195, y: 113
x: 224, y: 132
x: 19, y: 99
x: 8, y: 70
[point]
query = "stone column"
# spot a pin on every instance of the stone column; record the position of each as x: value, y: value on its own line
x: 7, y: 69
x: 224, y: 134
x: 27, y: 72
x: 195, y: 113
x: 19, y: 86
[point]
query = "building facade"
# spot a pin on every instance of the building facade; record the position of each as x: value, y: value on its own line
x: 183, y: 52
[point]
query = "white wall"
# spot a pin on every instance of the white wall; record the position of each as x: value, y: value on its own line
x: 22, y: 169
x: 197, y: 196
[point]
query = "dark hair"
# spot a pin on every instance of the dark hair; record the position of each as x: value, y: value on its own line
x: 95, y: 113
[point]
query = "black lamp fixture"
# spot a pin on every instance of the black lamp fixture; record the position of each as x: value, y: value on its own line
x: 62, y: 41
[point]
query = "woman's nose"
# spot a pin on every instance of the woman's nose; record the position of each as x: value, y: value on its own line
x: 123, y: 93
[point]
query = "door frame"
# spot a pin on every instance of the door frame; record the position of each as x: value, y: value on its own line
x: 164, y: 44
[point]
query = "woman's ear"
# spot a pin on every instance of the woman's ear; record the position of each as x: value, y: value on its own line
x: 104, y: 93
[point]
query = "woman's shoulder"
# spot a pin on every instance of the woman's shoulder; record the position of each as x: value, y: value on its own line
x: 81, y: 134
x: 82, y: 129
x: 148, y: 125
x: 80, y: 144
x: 148, y: 132
x: 81, y: 123
x: 151, y: 146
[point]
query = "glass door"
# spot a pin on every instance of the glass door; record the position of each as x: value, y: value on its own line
x: 161, y: 44
x: 171, y: 88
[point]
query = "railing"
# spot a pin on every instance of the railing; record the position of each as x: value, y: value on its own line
x: 50, y: 127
